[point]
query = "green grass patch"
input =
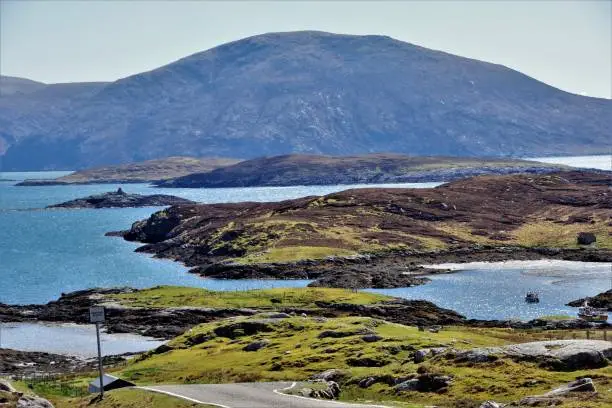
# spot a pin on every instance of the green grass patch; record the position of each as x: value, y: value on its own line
x: 297, y: 348
x: 126, y: 398
x: 177, y: 296
x: 294, y: 253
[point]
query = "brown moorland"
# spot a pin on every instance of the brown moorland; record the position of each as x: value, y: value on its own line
x: 518, y: 211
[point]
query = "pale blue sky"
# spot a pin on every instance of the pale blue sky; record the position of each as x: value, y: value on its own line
x: 564, y: 43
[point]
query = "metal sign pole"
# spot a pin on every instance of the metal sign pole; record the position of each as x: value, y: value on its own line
x: 100, y: 369
x: 96, y: 315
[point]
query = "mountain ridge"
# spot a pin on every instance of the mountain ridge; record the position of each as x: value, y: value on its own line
x: 308, y: 92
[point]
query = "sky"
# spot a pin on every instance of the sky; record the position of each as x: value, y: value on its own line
x: 567, y: 44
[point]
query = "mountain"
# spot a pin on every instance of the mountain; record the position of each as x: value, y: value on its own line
x: 32, y: 113
x: 299, y: 169
x: 304, y: 92
x: 13, y: 85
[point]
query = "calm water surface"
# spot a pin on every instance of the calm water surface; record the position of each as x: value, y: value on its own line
x: 602, y: 162
x: 46, y: 252
x: 497, y: 290
x: 71, y: 339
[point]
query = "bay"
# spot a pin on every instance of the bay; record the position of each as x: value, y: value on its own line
x: 497, y: 290
x: 44, y: 253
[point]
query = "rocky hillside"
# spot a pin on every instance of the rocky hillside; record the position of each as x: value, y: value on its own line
x: 142, y: 172
x: 302, y: 92
x: 293, y: 170
x: 524, y: 211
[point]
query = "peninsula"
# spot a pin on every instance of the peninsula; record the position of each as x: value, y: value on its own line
x: 139, y: 172
x: 371, y: 236
x: 300, y: 169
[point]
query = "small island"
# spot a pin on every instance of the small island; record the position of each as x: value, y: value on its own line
x: 306, y: 170
x: 121, y: 199
x: 140, y: 172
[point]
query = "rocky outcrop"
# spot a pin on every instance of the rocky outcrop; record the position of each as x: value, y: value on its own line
x: 256, y: 345
x: 331, y: 390
x: 586, y: 238
x: 603, y: 300
x: 568, y: 392
x: 120, y: 199
x: 14, y: 362
x: 9, y: 398
x: 557, y: 354
x: 426, y: 382
x: 333, y: 374
x: 154, y: 322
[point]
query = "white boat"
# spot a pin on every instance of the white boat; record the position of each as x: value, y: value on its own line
x: 592, y: 314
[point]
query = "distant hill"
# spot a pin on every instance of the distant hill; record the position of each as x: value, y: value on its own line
x: 302, y: 92
x: 142, y: 172
x: 33, y: 114
x: 294, y: 170
x: 13, y: 85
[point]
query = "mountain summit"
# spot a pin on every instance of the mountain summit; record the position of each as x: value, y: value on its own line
x: 301, y: 92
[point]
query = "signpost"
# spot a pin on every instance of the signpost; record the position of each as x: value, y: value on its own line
x: 96, y: 315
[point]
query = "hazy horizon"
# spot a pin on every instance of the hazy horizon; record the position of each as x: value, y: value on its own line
x: 565, y: 44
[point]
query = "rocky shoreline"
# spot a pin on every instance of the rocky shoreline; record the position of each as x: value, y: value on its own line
x: 169, y: 322
x: 602, y: 300
x: 392, y: 269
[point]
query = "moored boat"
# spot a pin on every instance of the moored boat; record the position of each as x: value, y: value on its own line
x: 592, y: 314
x: 532, y: 297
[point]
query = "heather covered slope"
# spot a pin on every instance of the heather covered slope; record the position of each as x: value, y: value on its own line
x: 499, y: 211
x: 291, y: 170
x: 311, y: 92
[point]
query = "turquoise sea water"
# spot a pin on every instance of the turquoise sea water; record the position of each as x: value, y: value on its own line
x: 46, y: 252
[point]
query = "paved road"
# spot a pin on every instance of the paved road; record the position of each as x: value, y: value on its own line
x: 248, y: 395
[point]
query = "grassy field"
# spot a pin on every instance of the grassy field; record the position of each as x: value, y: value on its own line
x: 127, y: 398
x: 64, y: 396
x: 177, y: 296
x: 298, y: 347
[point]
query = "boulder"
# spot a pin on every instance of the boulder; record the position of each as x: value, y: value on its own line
x: 367, y: 382
x: 368, y: 361
x: 556, y: 354
x: 33, y: 402
x: 409, y: 385
x: 6, y: 386
x: 420, y: 355
x: 370, y: 338
x: 585, y: 238
x: 333, y: 374
x: 580, y: 385
x: 331, y: 392
x: 256, y: 345
x: 490, y: 404
x: 537, y: 402
x: 426, y: 382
